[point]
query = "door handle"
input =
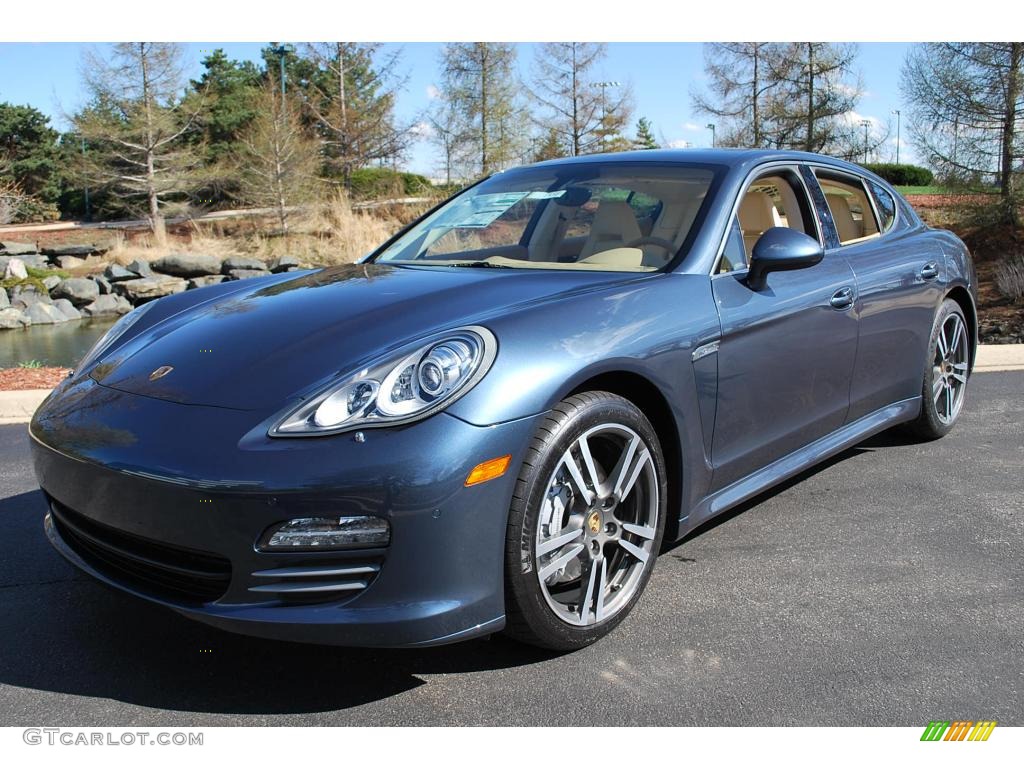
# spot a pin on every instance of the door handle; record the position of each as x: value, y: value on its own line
x: 842, y: 299
x: 930, y: 271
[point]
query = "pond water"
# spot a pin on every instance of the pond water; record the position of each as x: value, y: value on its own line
x: 62, y: 344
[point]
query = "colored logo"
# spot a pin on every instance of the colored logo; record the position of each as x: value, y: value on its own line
x: 958, y: 730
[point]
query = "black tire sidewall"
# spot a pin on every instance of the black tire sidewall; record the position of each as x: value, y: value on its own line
x: 928, y: 424
x: 523, y: 591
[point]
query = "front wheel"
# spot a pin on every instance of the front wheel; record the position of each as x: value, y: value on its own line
x: 945, y: 375
x: 585, y: 524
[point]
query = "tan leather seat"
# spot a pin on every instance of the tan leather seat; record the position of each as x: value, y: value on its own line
x: 846, y: 226
x: 757, y: 215
x: 614, y: 225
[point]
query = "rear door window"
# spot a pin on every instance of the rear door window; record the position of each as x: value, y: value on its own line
x: 850, y: 206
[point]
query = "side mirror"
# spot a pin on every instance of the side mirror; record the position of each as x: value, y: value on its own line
x: 779, y: 249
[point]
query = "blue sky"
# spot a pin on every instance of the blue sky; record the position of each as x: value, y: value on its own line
x: 46, y: 75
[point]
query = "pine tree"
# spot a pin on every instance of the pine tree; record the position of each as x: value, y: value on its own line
x: 644, y: 135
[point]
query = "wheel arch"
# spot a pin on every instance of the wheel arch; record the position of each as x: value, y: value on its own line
x: 651, y: 401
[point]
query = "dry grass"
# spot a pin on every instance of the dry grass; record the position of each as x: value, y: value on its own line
x: 330, y: 233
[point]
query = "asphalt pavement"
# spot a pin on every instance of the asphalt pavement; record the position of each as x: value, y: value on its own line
x: 883, y: 588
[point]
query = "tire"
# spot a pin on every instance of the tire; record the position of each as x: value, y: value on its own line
x: 620, y: 525
x: 945, y: 374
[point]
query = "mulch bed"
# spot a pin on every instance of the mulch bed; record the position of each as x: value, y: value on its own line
x: 31, y: 378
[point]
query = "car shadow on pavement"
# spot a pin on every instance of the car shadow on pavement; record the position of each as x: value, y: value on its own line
x: 878, y: 441
x: 63, y: 632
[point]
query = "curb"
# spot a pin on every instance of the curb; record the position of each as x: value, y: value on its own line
x: 999, y: 357
x: 18, y: 406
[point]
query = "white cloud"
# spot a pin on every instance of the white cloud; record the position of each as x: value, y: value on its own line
x: 855, y: 118
x: 433, y: 92
x: 422, y: 130
x: 678, y: 144
x: 692, y: 127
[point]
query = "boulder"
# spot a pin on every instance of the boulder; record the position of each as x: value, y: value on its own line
x: 284, y: 264
x: 188, y: 265
x: 140, y: 268
x: 72, y: 250
x: 13, y: 318
x: 242, y: 274
x: 51, y: 281
x: 242, y: 262
x: 146, y: 288
x: 80, y: 290
x: 68, y: 262
x: 115, y: 273
x: 4, y: 299
x: 102, y: 283
x: 107, y: 305
x: 44, y: 314
x: 15, y: 270
x: 205, y: 280
x: 24, y: 295
x: 12, y: 248
x: 67, y: 309
x: 36, y: 261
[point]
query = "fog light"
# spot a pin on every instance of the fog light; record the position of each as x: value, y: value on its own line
x: 307, y: 534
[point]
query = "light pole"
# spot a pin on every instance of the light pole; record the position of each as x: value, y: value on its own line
x: 604, y: 106
x: 865, y: 124
x: 897, y: 113
x: 711, y: 127
x: 281, y: 51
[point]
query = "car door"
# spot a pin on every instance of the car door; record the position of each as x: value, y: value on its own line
x: 786, y: 352
x: 898, y: 279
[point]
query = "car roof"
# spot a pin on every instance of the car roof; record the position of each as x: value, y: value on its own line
x: 723, y: 156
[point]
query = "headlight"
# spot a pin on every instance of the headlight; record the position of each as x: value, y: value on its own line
x: 115, y: 332
x: 402, y: 388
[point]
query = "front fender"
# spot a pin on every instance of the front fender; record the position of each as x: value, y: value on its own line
x: 646, y: 329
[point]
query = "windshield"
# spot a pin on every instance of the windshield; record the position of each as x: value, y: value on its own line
x: 620, y: 217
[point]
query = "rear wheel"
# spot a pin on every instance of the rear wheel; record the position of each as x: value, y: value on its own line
x: 945, y: 376
x: 585, y: 524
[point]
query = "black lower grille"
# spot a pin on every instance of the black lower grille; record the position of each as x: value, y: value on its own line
x: 160, y: 569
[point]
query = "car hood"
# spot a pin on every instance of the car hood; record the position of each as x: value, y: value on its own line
x: 258, y: 347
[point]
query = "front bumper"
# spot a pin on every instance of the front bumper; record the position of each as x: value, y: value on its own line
x: 167, y: 501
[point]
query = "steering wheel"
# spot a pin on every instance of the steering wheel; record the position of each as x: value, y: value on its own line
x: 658, y: 241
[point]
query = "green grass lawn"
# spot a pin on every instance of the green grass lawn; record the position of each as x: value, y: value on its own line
x: 930, y: 190
x: 936, y: 190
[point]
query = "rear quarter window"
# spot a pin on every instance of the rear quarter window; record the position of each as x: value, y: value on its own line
x: 886, y: 205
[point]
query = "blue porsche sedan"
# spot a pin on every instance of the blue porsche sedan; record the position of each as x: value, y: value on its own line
x: 496, y: 420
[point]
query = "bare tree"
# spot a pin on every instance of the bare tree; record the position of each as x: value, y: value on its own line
x: 353, y: 100
x: 135, y: 126
x: 587, y: 115
x: 446, y: 133
x: 742, y: 79
x: 480, y: 83
x: 15, y: 204
x: 818, y: 90
x: 967, y: 112
x: 277, y: 162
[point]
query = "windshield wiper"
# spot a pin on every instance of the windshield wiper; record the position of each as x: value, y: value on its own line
x: 479, y: 265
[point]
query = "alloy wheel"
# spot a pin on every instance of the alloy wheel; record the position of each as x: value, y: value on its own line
x: 597, y: 525
x: 949, y: 369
